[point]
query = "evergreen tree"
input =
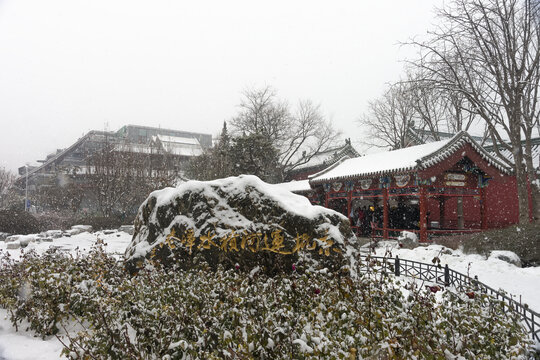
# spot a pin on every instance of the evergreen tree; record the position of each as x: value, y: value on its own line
x: 254, y: 154
x: 222, y: 161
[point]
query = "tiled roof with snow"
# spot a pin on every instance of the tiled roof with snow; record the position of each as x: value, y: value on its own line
x: 329, y: 157
x: 318, y: 159
x: 178, y: 139
x: 176, y: 145
x: 423, y: 136
x: 403, y: 160
x: 507, y: 154
x: 184, y: 150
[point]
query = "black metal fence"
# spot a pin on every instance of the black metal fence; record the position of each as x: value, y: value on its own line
x: 436, y: 274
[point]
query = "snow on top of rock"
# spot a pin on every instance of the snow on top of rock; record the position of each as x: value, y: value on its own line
x: 235, y: 216
x: 296, y: 185
x: 290, y: 202
x: 408, y: 235
x: 507, y: 256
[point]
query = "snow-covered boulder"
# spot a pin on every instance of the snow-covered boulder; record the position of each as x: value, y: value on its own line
x: 239, y: 222
x: 24, y: 240
x: 79, y: 229
x: 507, y: 256
x: 12, y: 238
x: 408, y: 239
x: 54, y: 234
x: 3, y: 236
x: 13, y: 245
x: 20, y: 240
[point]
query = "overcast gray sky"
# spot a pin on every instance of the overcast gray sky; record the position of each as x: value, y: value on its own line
x: 70, y: 66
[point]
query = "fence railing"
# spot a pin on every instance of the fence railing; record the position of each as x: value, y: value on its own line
x: 436, y: 274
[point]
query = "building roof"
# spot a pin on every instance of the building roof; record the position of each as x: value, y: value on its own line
x: 178, y: 139
x: 423, y: 136
x: 178, y: 145
x: 62, y: 153
x: 506, y: 153
x: 329, y: 157
x: 403, y: 160
x: 205, y: 140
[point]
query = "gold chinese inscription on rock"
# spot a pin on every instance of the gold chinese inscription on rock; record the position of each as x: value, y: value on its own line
x: 248, y: 241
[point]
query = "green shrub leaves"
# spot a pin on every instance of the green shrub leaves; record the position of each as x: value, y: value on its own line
x: 100, y: 312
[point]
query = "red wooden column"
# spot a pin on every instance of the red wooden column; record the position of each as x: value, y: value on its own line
x: 349, y: 201
x: 423, y: 214
x: 326, y: 196
x: 483, y: 209
x: 442, y: 204
x: 385, y: 213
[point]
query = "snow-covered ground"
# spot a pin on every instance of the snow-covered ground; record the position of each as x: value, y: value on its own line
x: 115, y: 243
x: 492, y: 271
x: 23, y: 345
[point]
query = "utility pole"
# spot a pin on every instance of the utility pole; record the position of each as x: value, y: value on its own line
x: 26, y: 190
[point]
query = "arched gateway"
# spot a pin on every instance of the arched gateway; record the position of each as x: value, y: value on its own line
x: 449, y: 186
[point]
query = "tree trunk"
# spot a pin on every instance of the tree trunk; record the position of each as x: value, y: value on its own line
x: 522, y: 184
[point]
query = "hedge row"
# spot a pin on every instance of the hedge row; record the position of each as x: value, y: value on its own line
x: 99, y: 312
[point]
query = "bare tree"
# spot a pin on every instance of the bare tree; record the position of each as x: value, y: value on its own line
x: 310, y: 133
x: 415, y: 104
x: 109, y: 178
x: 439, y: 110
x: 58, y: 198
x: 261, y: 112
x: 7, y: 179
x: 296, y: 135
x: 121, y: 176
x: 390, y: 118
x: 488, y: 51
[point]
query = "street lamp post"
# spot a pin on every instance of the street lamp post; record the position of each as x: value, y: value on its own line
x: 26, y: 190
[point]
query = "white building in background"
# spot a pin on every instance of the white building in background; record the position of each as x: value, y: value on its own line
x: 152, y: 147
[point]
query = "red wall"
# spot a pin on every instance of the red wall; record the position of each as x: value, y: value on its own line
x: 502, y: 203
x: 471, y: 211
x: 501, y: 193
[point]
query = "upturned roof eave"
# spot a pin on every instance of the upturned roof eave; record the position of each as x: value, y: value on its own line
x: 457, y: 142
x: 404, y: 170
x: 424, y: 162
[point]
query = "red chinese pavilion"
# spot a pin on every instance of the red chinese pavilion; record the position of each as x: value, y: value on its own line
x: 449, y: 186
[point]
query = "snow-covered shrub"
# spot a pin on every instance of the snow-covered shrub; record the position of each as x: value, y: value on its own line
x: 228, y: 314
x: 45, y: 290
x: 204, y: 313
x: 243, y: 313
x: 19, y: 222
x: 524, y: 240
